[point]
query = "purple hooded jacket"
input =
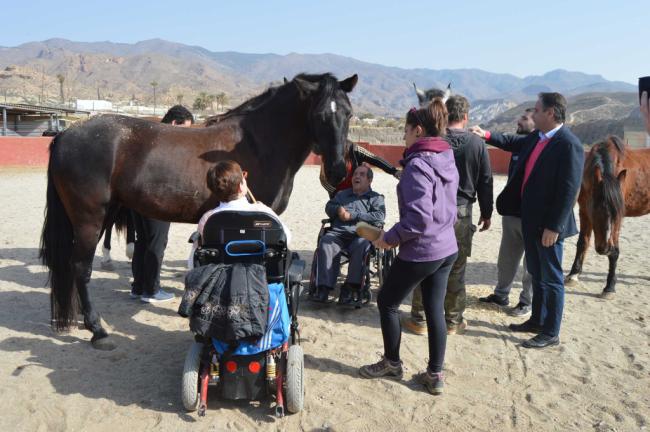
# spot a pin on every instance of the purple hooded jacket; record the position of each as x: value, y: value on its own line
x: 426, y: 195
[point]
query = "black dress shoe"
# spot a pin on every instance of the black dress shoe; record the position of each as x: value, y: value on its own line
x: 493, y: 298
x: 526, y: 327
x: 322, y: 294
x: 345, y: 297
x: 541, y: 341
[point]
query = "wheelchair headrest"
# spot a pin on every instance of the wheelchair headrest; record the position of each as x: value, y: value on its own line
x: 229, y: 225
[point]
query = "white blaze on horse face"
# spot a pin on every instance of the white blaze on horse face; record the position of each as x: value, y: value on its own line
x: 333, y: 106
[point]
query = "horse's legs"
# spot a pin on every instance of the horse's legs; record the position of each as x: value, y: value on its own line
x: 581, y: 250
x: 86, y: 238
x: 610, y: 288
x: 106, y: 249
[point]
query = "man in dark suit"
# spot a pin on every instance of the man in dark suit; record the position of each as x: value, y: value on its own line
x: 543, y: 190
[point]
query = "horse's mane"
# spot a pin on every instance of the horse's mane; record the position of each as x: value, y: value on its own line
x: 612, y: 198
x: 327, y: 85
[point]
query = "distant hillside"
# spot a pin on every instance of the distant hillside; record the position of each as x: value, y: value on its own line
x: 123, y: 72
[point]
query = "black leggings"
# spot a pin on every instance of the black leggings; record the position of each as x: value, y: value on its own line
x: 403, y: 277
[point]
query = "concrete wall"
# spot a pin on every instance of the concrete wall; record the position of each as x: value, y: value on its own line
x: 28, y: 151
x: 24, y: 151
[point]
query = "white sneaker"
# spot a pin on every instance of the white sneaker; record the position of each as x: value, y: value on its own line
x: 159, y: 297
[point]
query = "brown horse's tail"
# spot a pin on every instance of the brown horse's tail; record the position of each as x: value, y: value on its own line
x: 56, y: 252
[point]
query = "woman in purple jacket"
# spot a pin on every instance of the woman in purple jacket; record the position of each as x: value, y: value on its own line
x: 426, y: 196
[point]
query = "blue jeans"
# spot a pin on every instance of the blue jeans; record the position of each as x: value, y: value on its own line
x: 545, y: 266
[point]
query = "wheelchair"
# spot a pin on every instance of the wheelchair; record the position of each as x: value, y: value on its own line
x: 376, y: 262
x: 243, y: 372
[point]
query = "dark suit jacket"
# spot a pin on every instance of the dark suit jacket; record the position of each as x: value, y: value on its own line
x: 553, y: 185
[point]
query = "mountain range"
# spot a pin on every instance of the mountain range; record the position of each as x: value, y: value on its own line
x: 125, y: 72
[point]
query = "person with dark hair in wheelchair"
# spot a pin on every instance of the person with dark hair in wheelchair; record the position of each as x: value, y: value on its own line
x: 356, y: 204
x: 228, y: 182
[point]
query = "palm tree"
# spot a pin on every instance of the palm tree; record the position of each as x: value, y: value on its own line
x: 222, y: 99
x: 154, y: 84
x: 61, y: 78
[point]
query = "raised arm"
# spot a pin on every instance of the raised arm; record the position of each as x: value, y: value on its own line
x: 363, y: 155
x: 507, y: 142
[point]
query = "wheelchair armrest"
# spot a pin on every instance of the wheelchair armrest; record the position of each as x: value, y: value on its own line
x: 296, y: 270
x: 194, y: 237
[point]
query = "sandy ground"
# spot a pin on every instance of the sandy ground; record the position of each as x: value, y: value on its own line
x: 597, y: 379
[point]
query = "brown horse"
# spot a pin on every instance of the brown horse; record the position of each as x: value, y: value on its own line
x: 616, y: 183
x: 110, y: 163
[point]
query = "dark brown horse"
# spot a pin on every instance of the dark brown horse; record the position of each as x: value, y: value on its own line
x: 111, y: 162
x: 615, y: 183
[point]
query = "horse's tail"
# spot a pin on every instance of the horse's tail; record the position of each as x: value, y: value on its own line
x: 56, y: 253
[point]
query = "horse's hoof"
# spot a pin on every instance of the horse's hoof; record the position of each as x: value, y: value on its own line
x: 571, y: 281
x: 104, y: 343
x: 607, y: 295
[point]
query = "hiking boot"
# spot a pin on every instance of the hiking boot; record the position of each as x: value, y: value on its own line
x: 522, y: 309
x: 160, y: 297
x: 416, y: 327
x: 456, y: 328
x: 493, y: 298
x: 384, y: 368
x: 433, y: 381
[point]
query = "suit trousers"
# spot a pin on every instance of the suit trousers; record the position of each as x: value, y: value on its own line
x: 545, y: 266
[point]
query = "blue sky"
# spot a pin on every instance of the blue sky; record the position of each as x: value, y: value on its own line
x: 517, y: 37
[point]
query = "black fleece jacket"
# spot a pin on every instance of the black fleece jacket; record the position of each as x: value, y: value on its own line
x: 474, y: 171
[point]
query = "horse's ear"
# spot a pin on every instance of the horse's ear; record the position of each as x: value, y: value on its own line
x: 347, y: 85
x: 447, y: 93
x: 621, y: 177
x: 598, y: 174
x: 420, y: 94
x: 305, y: 86
x: 286, y: 81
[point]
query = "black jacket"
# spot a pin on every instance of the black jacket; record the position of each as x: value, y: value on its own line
x: 552, y: 188
x: 226, y: 301
x: 474, y: 171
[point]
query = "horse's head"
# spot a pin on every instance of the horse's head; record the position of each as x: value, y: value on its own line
x: 606, y: 181
x: 424, y: 97
x: 329, y: 117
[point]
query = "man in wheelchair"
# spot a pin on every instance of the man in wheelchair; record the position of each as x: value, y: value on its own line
x: 349, y: 206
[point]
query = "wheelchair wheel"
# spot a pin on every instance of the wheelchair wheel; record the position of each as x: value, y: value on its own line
x: 190, y: 383
x: 295, y: 384
x: 380, y: 266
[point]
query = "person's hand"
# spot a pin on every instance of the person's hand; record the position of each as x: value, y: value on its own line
x: 549, y: 237
x: 343, y: 214
x: 380, y: 243
x: 398, y: 174
x: 476, y: 130
x: 645, y: 110
x: 484, y: 224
